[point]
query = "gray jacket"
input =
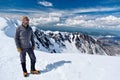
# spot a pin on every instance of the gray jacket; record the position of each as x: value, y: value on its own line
x: 24, y: 37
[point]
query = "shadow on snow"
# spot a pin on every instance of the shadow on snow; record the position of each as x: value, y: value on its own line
x: 54, y: 65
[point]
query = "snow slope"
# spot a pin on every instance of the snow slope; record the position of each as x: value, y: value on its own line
x: 55, y: 66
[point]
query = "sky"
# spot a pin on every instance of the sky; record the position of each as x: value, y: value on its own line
x: 58, y: 4
x: 78, y: 13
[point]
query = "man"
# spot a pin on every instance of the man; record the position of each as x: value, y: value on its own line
x: 25, y: 43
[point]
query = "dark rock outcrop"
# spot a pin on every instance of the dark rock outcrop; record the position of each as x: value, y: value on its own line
x: 57, y: 42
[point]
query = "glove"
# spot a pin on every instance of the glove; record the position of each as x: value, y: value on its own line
x: 19, y: 49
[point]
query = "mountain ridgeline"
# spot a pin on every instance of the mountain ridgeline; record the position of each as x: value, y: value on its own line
x: 59, y: 42
x: 66, y: 42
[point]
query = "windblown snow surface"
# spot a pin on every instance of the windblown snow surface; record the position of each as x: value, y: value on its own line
x: 53, y: 66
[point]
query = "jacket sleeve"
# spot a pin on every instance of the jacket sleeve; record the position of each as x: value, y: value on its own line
x: 17, y: 38
x: 32, y: 40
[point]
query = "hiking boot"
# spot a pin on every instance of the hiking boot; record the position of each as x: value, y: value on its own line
x: 25, y: 74
x: 35, y: 72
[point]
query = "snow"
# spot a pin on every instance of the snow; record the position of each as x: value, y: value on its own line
x: 8, y: 26
x: 54, y: 66
x: 71, y: 48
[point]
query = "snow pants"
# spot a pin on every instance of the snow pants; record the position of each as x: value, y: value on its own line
x: 23, y: 58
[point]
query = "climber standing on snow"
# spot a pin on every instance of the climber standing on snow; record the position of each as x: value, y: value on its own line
x: 25, y: 44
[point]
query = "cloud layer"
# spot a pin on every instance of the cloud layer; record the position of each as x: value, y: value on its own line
x: 71, y: 18
x: 108, y: 22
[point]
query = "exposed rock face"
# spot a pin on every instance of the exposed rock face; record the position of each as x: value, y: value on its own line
x: 110, y: 45
x: 57, y: 42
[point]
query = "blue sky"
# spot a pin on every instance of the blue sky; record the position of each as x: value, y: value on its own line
x: 78, y: 13
x: 59, y: 4
x: 6, y: 5
x: 9, y: 5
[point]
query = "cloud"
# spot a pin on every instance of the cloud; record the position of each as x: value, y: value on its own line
x: 71, y: 18
x: 108, y: 22
x: 92, y: 10
x: 45, y: 3
x: 49, y: 18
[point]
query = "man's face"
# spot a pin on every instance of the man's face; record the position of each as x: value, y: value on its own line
x: 25, y: 21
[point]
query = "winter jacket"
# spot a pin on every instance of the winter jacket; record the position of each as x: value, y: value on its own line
x: 24, y: 37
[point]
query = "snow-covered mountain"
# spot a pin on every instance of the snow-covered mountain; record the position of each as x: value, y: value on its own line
x: 64, y: 66
x: 63, y: 42
x: 58, y: 42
